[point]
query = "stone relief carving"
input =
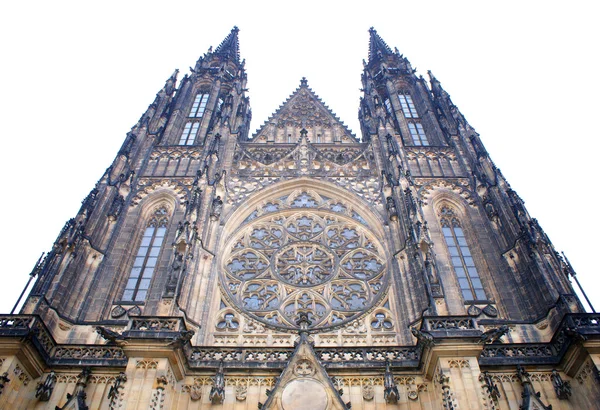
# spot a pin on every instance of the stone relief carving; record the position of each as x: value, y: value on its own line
x: 368, y: 392
x: 460, y: 186
x: 146, y: 186
x: 304, y: 368
x: 241, y: 392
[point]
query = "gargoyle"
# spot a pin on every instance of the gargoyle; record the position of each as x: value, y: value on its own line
x: 422, y: 336
x: 574, y: 334
x: 110, y: 336
x: 494, y: 335
x: 184, y: 337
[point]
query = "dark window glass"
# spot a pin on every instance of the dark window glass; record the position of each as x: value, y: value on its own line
x: 460, y: 256
x: 146, y: 258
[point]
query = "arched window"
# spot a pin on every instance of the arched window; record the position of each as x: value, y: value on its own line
x: 388, y: 106
x: 408, y: 108
x: 146, y: 258
x: 417, y: 133
x: 188, y: 136
x: 460, y: 255
x: 199, y: 105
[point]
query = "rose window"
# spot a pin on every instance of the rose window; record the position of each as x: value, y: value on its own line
x: 304, y: 264
x: 313, y: 261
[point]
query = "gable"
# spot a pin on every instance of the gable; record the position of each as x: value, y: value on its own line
x: 304, y: 110
x: 304, y: 384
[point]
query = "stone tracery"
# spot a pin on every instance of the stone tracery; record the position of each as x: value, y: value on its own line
x: 304, y: 254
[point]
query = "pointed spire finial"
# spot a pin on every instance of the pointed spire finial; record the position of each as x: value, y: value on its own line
x: 377, y: 46
x: 431, y: 76
x: 303, y: 82
x: 230, y: 47
x: 436, y: 87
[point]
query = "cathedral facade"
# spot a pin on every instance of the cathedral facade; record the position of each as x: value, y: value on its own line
x: 301, y: 267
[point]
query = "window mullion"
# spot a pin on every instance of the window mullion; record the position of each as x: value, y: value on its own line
x: 464, y: 265
x: 148, y: 252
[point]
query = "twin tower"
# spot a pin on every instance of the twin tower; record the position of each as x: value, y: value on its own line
x: 301, y: 267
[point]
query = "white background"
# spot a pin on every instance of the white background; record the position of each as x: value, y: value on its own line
x: 77, y: 75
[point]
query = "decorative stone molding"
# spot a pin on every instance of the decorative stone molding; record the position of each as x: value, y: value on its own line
x: 449, y: 323
x: 157, y: 401
x: 586, y: 371
x: 491, y: 392
x: 21, y: 375
x: 460, y: 186
x: 448, y: 399
x: 115, y: 395
x: 231, y: 381
x: 281, y: 264
x: 146, y: 364
x: 157, y: 324
x: 44, y: 389
x: 459, y: 364
x: 89, y: 353
x: 146, y: 186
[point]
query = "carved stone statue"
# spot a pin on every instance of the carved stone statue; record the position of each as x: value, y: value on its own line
x: 390, y: 204
x: 217, y: 208
x: 116, y: 207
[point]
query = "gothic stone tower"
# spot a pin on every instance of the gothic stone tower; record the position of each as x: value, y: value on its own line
x: 301, y: 267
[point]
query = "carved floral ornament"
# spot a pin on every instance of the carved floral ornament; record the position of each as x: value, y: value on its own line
x: 304, y: 260
x: 459, y: 187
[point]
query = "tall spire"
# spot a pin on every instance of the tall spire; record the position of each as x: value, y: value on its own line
x: 377, y: 46
x: 230, y: 47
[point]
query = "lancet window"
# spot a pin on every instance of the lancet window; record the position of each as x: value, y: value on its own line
x: 417, y: 133
x: 146, y: 258
x: 408, y: 108
x: 188, y: 136
x: 388, y: 106
x: 199, y: 105
x: 460, y: 255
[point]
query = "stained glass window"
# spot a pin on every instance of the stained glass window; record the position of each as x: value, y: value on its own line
x: 199, y: 105
x: 188, y: 136
x: 304, y: 260
x: 146, y: 258
x: 417, y: 134
x: 408, y: 108
x: 461, y: 258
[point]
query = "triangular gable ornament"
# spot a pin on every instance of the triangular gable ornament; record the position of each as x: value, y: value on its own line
x: 304, y: 384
